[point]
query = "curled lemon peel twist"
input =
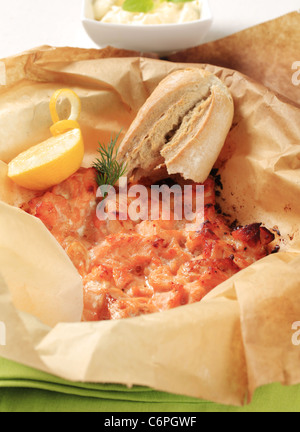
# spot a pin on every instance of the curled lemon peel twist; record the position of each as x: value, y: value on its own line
x: 61, y: 126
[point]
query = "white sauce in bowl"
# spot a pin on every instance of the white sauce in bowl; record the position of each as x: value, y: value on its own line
x: 110, y: 11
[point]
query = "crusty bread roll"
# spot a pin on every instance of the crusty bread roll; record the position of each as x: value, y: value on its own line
x: 182, y: 125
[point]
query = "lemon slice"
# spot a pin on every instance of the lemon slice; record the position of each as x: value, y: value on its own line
x: 57, y: 158
x: 48, y: 163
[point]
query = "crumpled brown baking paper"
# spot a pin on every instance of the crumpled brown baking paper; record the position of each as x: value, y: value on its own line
x: 269, y: 53
x: 221, y: 349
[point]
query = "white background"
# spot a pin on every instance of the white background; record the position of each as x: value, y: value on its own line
x: 26, y: 24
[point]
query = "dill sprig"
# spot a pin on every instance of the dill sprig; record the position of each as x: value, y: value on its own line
x: 109, y: 170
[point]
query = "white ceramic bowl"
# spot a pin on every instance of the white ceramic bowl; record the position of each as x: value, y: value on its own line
x: 160, y: 39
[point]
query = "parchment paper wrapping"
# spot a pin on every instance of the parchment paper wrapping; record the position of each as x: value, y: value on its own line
x: 269, y: 53
x: 221, y: 349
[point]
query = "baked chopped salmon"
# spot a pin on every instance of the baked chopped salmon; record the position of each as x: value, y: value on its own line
x: 130, y: 268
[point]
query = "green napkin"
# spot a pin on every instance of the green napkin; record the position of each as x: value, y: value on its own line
x: 23, y: 389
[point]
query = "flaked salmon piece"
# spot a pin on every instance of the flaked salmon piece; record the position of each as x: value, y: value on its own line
x: 130, y: 268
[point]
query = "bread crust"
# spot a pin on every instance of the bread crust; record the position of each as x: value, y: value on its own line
x: 182, y: 125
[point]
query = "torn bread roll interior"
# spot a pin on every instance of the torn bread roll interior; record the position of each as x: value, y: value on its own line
x: 182, y: 125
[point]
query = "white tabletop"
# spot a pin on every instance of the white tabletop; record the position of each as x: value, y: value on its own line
x: 26, y: 24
